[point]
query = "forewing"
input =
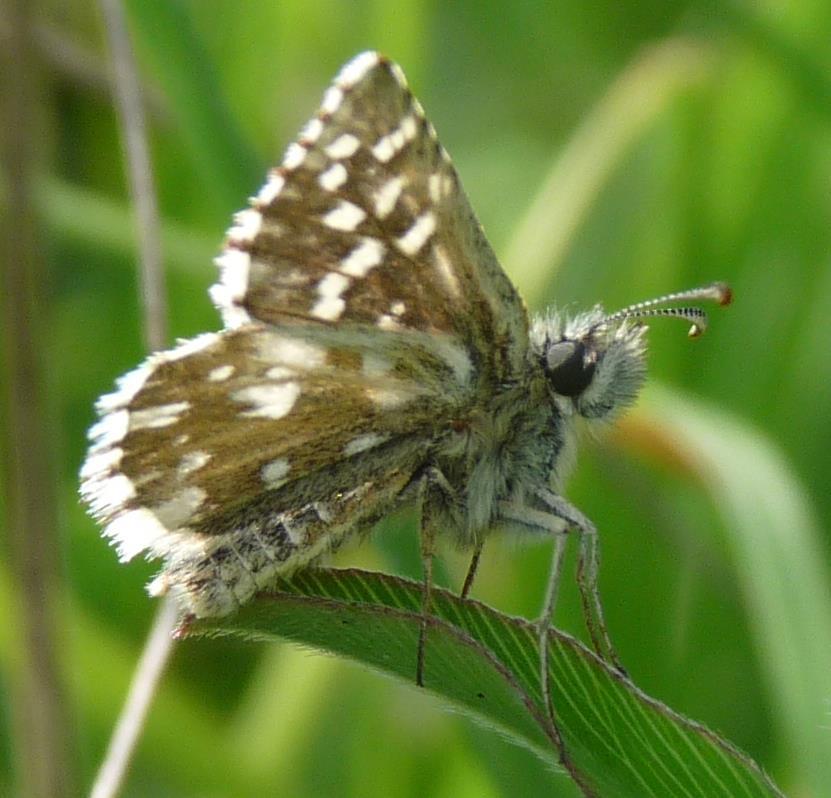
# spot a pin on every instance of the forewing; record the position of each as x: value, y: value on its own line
x: 366, y: 223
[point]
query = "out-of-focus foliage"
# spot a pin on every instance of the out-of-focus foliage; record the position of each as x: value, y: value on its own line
x: 667, y: 144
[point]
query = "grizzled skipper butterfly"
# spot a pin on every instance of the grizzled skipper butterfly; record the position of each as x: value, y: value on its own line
x: 373, y: 353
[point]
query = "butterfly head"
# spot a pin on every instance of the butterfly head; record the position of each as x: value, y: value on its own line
x: 598, y: 360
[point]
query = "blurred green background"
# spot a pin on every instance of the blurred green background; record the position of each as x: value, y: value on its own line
x: 614, y: 151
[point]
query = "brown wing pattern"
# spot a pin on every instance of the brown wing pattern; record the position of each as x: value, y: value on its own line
x: 366, y: 223
x: 364, y: 314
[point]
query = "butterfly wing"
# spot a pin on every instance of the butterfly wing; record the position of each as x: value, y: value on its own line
x: 366, y: 223
x: 364, y: 313
x: 247, y: 452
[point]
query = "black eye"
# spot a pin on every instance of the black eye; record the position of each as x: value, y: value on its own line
x: 569, y: 371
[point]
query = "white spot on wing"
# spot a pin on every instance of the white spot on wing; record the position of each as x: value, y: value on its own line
x: 295, y: 155
x: 268, y: 401
x: 100, y: 463
x: 234, y: 265
x: 157, y: 417
x: 386, y: 196
x: 183, y: 542
x: 368, y: 254
x: 158, y: 586
x: 233, y: 269
x: 188, y: 347
x: 191, y: 462
x: 134, y: 531
x: 333, y: 178
x: 276, y: 348
x: 176, y: 511
x: 409, y: 127
x: 331, y: 100
x: 280, y: 373
x: 311, y: 133
x: 387, y: 322
x: 398, y: 308
x: 440, y: 186
x: 384, y: 149
x: 220, y: 373
x: 415, y: 238
x: 126, y: 389
x: 388, y: 398
x: 434, y: 187
x: 357, y: 68
x: 388, y: 146
x: 445, y: 271
x: 331, y: 303
x: 247, y: 224
x: 398, y: 74
x: 343, y: 146
x: 109, y: 494
x: 273, y: 474
x: 268, y: 193
x: 233, y: 315
x: 110, y: 429
x: 346, y: 216
x: 455, y: 357
x: 363, y: 442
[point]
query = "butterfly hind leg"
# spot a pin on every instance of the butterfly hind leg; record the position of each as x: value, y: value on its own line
x: 472, y: 569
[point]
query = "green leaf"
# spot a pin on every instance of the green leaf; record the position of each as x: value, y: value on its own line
x: 611, y: 738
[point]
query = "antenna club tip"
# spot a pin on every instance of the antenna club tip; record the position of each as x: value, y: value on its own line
x: 696, y: 331
x: 725, y: 294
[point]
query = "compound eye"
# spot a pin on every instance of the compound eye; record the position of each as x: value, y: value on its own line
x: 569, y: 370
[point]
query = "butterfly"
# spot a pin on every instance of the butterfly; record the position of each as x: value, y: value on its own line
x: 374, y: 353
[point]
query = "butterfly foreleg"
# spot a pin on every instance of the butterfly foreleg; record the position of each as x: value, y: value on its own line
x: 549, y: 524
x: 558, y: 519
x: 435, y: 492
x: 588, y: 566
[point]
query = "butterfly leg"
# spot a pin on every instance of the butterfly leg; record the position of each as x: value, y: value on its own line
x: 435, y: 492
x: 549, y: 524
x: 558, y: 519
x: 547, y: 616
x: 427, y: 547
x: 472, y: 569
x: 587, y: 573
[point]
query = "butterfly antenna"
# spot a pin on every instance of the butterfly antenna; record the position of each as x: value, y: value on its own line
x: 716, y: 292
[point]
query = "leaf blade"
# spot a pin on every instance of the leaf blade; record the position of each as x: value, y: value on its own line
x: 613, y: 739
